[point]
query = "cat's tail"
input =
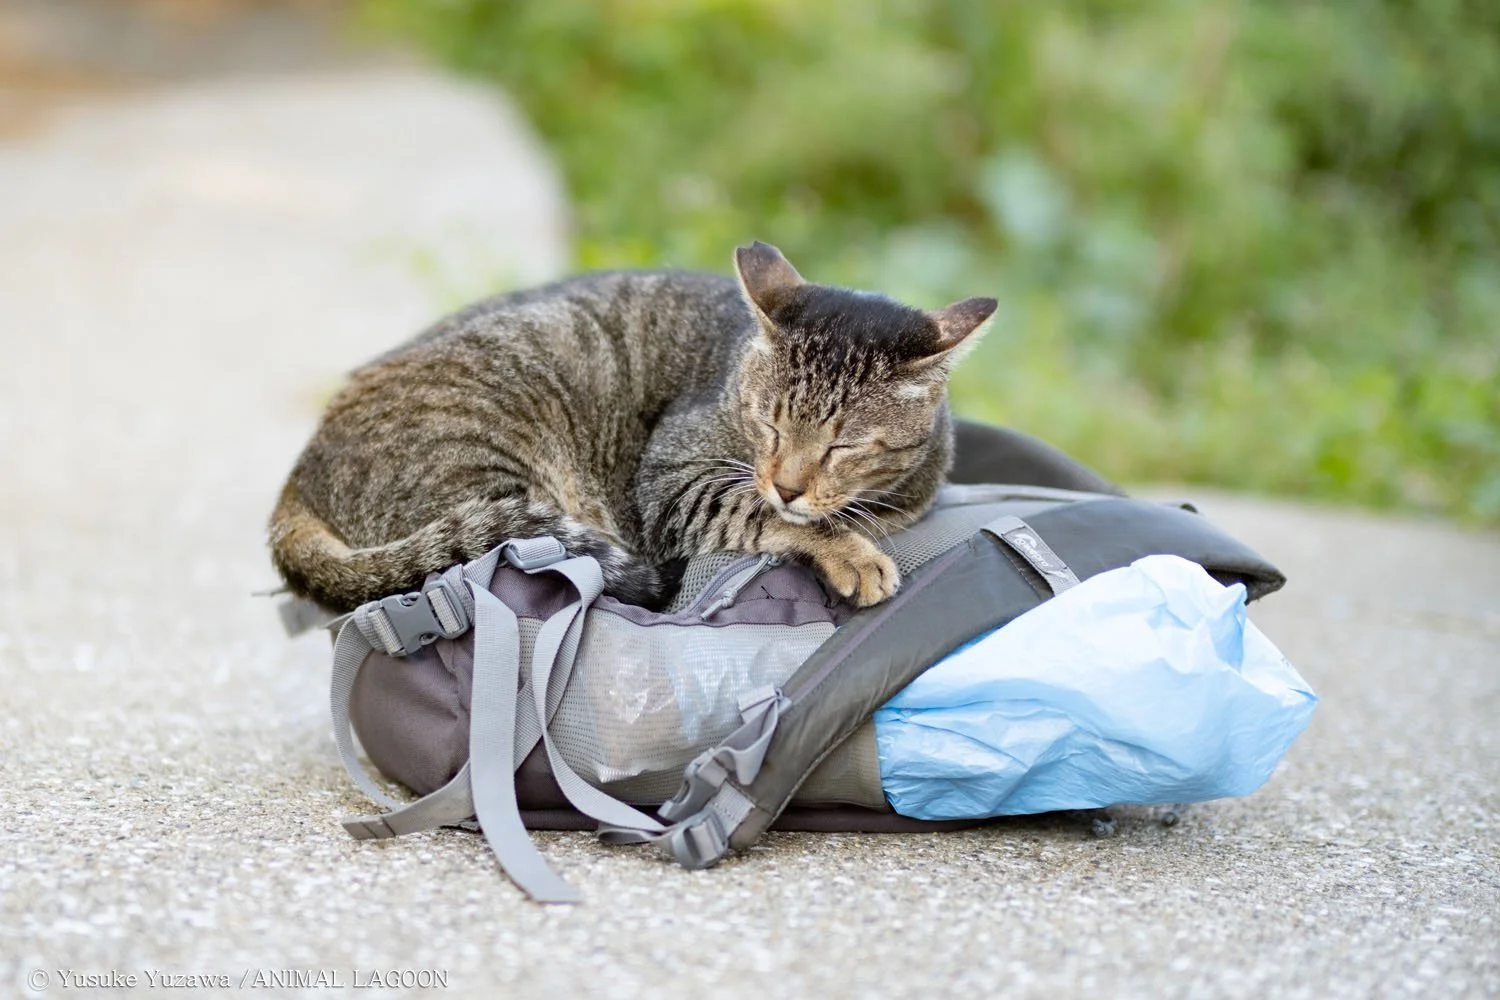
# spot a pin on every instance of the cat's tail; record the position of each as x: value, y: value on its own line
x: 316, y: 563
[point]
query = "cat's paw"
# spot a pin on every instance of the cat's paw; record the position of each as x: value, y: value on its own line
x: 857, y: 570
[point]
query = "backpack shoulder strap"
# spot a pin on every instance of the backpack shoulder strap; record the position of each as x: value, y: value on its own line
x: 728, y: 798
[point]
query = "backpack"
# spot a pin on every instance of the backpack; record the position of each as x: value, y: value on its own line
x: 744, y: 705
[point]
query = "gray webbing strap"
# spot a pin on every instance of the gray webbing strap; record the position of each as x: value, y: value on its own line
x: 1024, y: 540
x: 477, y: 575
x: 349, y: 653
x: 497, y: 742
x: 447, y: 806
x: 450, y: 805
x: 506, y: 716
x: 492, y: 720
x: 403, y: 623
x: 740, y: 754
x: 453, y: 804
x: 485, y: 786
x: 551, y: 666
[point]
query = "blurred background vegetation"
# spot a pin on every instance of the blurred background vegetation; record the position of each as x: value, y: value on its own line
x: 1250, y: 243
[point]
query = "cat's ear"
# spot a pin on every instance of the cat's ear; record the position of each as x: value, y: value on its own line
x: 955, y: 328
x: 957, y: 321
x: 766, y: 277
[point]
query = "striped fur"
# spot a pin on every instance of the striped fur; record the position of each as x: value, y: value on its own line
x: 639, y: 417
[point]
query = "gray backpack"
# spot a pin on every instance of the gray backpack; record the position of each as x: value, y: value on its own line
x: 509, y: 693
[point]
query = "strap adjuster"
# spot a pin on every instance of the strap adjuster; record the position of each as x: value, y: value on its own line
x: 368, y: 828
x: 419, y: 619
x: 532, y: 554
x: 700, y: 780
x: 699, y: 843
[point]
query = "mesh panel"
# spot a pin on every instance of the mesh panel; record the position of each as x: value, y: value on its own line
x: 957, y: 513
x: 700, y: 572
x: 643, y: 702
x: 945, y: 527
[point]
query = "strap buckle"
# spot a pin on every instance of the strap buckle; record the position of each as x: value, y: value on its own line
x: 532, y: 554
x: 698, y: 843
x: 700, y: 780
x: 420, y: 618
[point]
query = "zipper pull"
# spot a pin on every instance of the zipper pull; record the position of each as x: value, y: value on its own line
x: 729, y: 593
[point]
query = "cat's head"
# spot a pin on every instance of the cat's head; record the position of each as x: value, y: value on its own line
x: 842, y: 393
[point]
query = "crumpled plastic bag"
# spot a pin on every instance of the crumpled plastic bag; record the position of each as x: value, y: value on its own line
x: 1146, y: 684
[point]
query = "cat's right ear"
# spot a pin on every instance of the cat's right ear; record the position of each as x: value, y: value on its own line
x: 765, y: 277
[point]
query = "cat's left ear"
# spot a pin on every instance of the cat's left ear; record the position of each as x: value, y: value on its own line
x: 955, y: 327
x: 766, y: 277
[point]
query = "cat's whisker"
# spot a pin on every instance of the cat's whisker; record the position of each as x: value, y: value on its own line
x: 844, y: 517
x: 854, y: 508
x: 865, y: 500
x: 700, y: 485
x: 728, y: 463
x: 876, y: 531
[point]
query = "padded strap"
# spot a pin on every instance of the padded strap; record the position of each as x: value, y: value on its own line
x: 710, y: 807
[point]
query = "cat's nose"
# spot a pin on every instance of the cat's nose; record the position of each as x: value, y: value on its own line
x: 788, y: 493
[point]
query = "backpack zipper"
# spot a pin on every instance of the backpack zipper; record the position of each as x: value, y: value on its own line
x: 730, y: 581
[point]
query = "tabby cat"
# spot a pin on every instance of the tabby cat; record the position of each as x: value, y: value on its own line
x: 640, y: 417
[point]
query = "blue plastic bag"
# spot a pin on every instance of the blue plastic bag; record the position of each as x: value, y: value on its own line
x: 1146, y: 684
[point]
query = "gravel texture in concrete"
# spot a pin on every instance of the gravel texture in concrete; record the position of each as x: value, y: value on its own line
x: 185, y: 275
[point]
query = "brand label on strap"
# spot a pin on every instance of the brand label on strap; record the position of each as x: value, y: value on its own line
x: 1024, y: 540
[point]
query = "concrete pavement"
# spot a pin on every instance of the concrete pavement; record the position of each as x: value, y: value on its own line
x: 185, y: 275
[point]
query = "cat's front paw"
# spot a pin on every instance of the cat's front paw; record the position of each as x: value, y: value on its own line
x: 856, y: 569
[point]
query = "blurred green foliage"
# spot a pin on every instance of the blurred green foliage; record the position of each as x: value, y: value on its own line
x: 1253, y: 243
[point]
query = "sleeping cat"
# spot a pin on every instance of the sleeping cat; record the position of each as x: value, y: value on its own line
x: 639, y: 417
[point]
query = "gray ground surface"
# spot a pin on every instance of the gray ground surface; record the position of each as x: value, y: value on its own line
x: 183, y: 278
